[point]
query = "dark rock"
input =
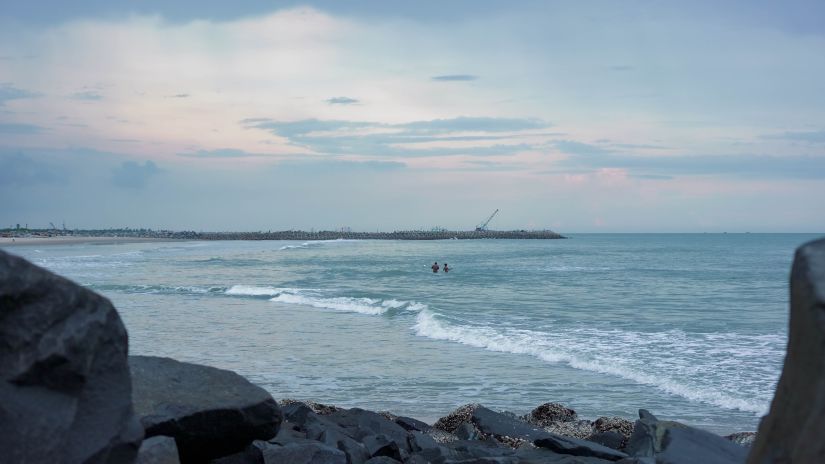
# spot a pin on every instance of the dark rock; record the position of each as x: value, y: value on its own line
x: 542, y: 456
x: 158, y: 450
x: 356, y: 452
x: 210, y: 412
x: 609, y: 439
x: 289, y: 433
x: 419, y: 441
x: 471, y: 449
x: 793, y: 429
x: 65, y: 390
x: 466, y: 431
x: 304, y: 453
x: 382, y: 460
x: 550, y: 413
x: 410, y: 424
x: 577, y: 447
x: 252, y: 454
x: 359, y: 423
x: 499, y: 425
x: 317, y: 408
x: 674, y: 443
x: 451, y: 421
x: 745, y: 439
x: 381, y: 445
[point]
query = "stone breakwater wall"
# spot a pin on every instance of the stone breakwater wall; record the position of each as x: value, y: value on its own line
x: 309, y: 236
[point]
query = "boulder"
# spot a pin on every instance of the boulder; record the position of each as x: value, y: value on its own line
x: 380, y: 445
x: 158, y: 450
x: 577, y: 447
x: 673, y: 443
x: 451, y: 421
x: 210, y: 412
x: 304, y: 453
x: 499, y: 425
x: 359, y: 423
x: 745, y: 439
x: 793, y: 429
x: 65, y: 389
x: 550, y: 413
x: 410, y: 424
x: 609, y: 439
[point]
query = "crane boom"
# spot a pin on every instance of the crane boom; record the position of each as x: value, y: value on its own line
x: 483, y: 225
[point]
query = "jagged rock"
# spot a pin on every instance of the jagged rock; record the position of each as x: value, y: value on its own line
x: 382, y: 460
x: 252, y: 454
x: 304, y: 453
x: 65, y: 390
x: 410, y: 424
x: 499, y: 425
x: 793, y: 429
x: 549, y: 414
x: 576, y: 447
x: 472, y: 449
x: 317, y: 408
x: 609, y: 439
x: 359, y: 423
x: 210, y: 412
x: 289, y: 433
x: 745, y: 439
x: 381, y: 445
x: 674, y: 443
x: 158, y: 450
x: 356, y: 452
x: 466, y: 431
x: 419, y: 441
x: 545, y: 456
x: 451, y: 421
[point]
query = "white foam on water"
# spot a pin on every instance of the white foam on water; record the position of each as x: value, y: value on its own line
x: 368, y: 306
x: 250, y: 290
x: 623, y: 354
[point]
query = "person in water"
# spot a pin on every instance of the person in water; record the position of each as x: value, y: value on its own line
x: 446, y: 269
x: 435, y: 267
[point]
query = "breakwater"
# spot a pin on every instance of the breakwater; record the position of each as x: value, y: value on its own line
x: 299, y: 234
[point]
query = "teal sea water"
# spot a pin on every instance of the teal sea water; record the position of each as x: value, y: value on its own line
x: 690, y: 326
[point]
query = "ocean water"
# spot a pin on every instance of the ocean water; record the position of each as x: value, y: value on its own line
x: 692, y: 327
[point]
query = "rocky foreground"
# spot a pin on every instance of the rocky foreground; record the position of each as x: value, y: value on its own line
x: 71, y: 394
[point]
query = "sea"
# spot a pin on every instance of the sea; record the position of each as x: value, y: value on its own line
x: 692, y: 327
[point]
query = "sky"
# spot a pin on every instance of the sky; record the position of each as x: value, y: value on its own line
x: 575, y: 116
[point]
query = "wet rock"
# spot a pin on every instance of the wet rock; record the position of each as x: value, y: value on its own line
x: 356, y: 452
x: 609, y: 439
x: 669, y: 442
x: 613, y: 424
x: 318, y: 408
x: 419, y: 441
x: 466, y: 431
x: 451, y: 421
x: 158, y: 450
x: 210, y: 412
x: 576, y: 447
x: 793, y: 429
x: 545, y: 456
x: 65, y: 388
x: 382, y: 460
x: 745, y: 439
x: 472, y: 449
x: 381, y: 445
x: 359, y: 423
x: 410, y: 424
x: 549, y: 414
x: 499, y: 425
x: 304, y: 453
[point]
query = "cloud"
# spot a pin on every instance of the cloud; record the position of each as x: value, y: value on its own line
x: 9, y: 92
x: 340, y: 166
x: 179, y: 95
x: 20, y: 170
x: 808, y: 136
x: 88, y: 95
x: 572, y: 147
x: 341, y: 101
x: 365, y: 138
x: 221, y: 153
x: 455, y: 78
x: 14, y: 128
x: 742, y: 166
x: 133, y: 175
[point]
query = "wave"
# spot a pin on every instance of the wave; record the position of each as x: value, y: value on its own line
x: 160, y: 289
x: 600, y: 351
x: 315, y: 243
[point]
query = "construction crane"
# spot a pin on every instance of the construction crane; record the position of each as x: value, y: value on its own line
x: 483, y: 226
x: 53, y: 226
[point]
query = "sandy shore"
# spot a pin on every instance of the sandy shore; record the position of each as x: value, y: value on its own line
x: 6, y: 242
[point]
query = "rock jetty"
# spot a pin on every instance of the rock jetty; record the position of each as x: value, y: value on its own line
x: 69, y: 394
x: 303, y: 235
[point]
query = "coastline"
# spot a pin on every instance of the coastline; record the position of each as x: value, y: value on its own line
x: 8, y: 242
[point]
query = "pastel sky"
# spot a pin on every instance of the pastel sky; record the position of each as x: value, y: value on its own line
x: 579, y: 116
